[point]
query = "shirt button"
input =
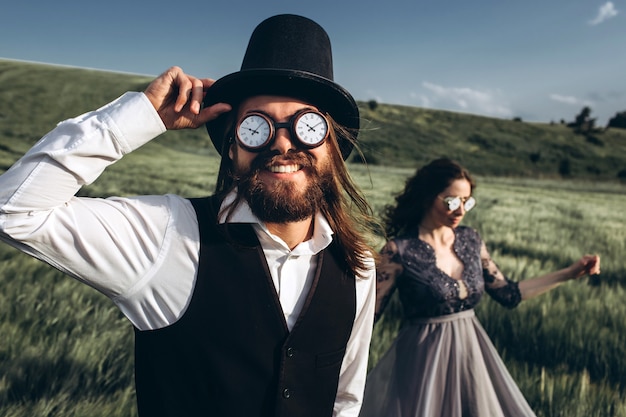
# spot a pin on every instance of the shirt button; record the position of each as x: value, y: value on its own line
x: 286, y: 393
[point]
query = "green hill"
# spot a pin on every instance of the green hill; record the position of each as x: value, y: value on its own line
x: 34, y: 97
x: 410, y: 136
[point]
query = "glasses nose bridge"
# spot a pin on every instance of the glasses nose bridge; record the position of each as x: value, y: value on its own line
x: 283, y: 125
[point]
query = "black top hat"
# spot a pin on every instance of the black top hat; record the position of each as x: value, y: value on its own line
x: 287, y: 55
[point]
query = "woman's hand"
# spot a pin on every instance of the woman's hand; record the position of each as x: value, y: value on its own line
x: 587, y: 265
x: 177, y: 97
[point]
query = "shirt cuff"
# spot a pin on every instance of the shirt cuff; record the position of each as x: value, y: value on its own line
x: 136, y: 120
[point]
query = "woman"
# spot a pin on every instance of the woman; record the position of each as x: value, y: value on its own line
x: 442, y: 363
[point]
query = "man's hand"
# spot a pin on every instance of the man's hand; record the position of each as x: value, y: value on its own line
x: 177, y: 97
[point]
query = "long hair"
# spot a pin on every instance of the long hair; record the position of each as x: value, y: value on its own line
x: 344, y: 205
x: 419, y: 194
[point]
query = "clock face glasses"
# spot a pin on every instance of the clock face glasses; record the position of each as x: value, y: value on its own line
x: 256, y: 131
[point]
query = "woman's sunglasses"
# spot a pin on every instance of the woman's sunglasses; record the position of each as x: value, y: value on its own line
x: 453, y: 203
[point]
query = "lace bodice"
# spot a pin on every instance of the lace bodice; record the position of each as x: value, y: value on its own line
x: 427, y: 291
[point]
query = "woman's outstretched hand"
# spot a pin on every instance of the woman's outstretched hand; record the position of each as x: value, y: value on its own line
x: 587, y: 265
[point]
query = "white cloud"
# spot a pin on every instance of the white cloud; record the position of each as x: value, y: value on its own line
x: 465, y: 99
x: 574, y: 101
x: 607, y: 11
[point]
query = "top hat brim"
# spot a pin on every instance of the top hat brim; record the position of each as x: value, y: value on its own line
x: 318, y: 91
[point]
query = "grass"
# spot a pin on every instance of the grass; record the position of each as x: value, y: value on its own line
x: 67, y: 351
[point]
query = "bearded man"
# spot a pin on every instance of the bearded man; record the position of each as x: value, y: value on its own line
x: 255, y: 301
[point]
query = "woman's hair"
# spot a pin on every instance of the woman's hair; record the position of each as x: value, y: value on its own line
x: 344, y: 205
x: 419, y: 194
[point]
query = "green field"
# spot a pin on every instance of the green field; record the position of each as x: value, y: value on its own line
x: 65, y: 350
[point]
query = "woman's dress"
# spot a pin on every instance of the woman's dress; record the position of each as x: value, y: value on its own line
x: 442, y: 364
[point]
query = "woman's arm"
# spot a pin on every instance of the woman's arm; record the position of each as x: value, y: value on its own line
x: 502, y: 289
x: 388, y: 269
x: 587, y: 265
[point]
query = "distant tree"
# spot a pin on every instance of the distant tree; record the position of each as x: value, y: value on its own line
x: 565, y: 168
x: 583, y: 116
x: 622, y: 175
x: 583, y: 123
x: 618, y: 121
x: 534, y: 157
x: 517, y: 119
x: 373, y: 104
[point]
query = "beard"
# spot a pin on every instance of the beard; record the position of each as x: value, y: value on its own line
x: 285, y: 201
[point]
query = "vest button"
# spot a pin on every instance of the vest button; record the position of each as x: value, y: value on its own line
x: 286, y: 393
x: 290, y: 352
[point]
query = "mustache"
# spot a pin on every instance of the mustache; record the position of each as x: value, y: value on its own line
x: 268, y: 158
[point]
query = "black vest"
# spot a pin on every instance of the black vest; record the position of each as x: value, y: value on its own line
x: 231, y: 353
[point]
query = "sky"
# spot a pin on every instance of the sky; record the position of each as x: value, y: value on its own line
x: 540, y: 60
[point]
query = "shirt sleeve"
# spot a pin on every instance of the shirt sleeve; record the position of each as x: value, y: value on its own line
x: 354, y: 367
x: 116, y: 245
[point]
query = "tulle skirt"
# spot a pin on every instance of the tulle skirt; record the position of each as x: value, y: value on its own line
x: 443, y: 367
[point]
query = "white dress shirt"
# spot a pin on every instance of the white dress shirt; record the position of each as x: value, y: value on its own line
x: 143, y: 252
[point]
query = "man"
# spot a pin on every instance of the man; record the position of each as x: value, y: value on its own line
x: 256, y: 301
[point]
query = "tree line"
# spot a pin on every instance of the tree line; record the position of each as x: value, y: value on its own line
x: 584, y: 123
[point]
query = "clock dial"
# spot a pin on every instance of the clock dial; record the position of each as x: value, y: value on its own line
x: 311, y: 128
x: 254, y: 131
